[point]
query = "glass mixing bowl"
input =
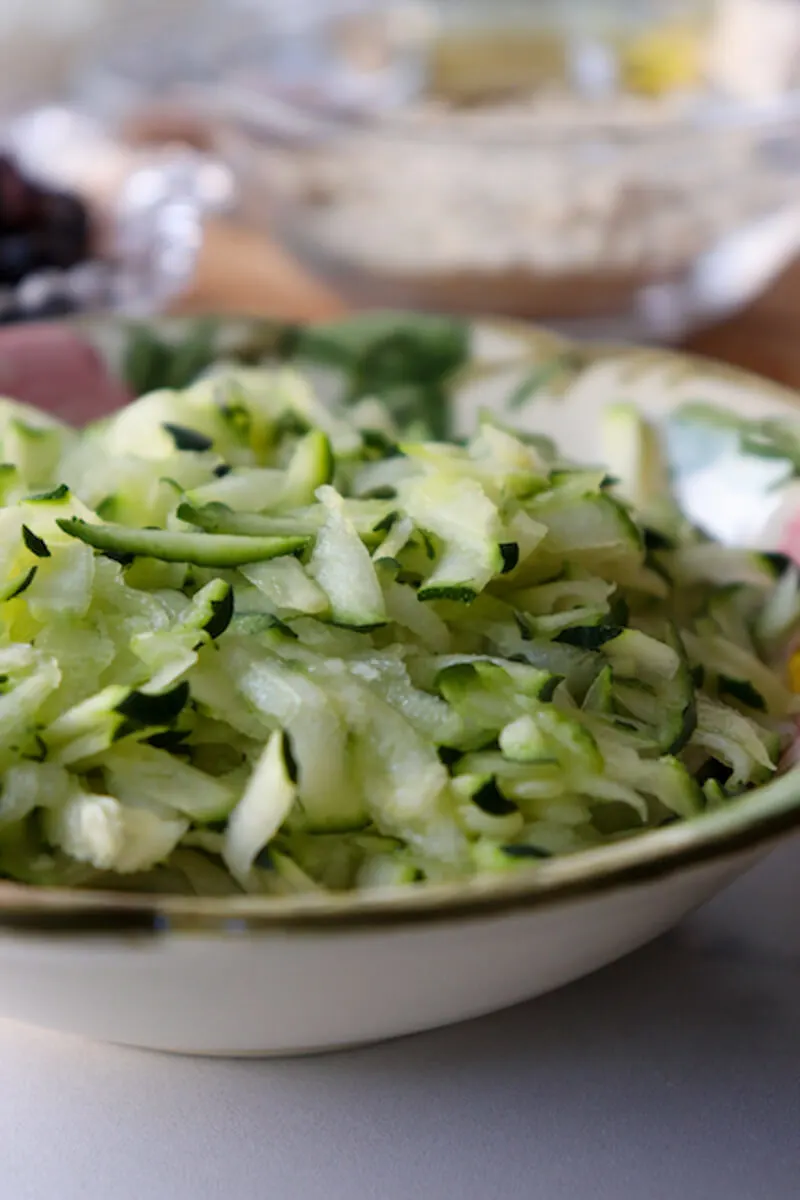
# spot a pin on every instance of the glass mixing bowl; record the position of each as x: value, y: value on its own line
x: 611, y: 168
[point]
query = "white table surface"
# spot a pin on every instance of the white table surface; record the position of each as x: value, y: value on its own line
x: 674, y: 1075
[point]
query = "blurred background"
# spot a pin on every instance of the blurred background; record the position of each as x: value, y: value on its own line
x: 610, y: 168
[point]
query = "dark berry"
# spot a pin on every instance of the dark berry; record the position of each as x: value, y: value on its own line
x: 19, y: 256
x: 18, y: 197
x: 66, y: 220
x: 22, y: 254
x: 58, y: 248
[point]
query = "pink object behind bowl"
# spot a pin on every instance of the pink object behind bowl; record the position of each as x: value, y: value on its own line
x: 790, y: 537
x: 55, y: 369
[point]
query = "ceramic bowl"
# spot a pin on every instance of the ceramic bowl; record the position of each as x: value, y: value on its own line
x: 273, y: 976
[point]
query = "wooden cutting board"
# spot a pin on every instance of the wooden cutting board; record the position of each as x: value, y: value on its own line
x: 243, y: 271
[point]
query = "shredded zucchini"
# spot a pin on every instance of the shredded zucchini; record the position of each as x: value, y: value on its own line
x: 253, y: 642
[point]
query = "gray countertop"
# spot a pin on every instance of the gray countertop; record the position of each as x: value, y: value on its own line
x: 674, y: 1075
